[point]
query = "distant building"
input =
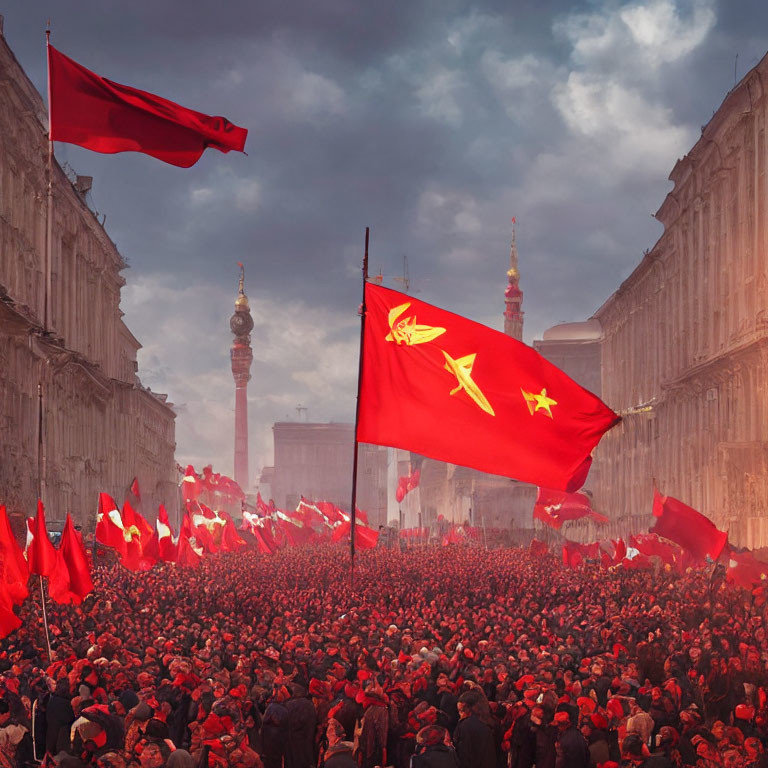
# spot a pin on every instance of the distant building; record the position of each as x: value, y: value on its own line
x: 685, y: 338
x: 575, y: 349
x: 315, y: 460
x: 65, y: 352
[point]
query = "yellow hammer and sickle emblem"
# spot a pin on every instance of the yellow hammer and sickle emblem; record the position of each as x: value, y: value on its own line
x: 462, y: 370
x: 406, y: 331
x: 539, y: 402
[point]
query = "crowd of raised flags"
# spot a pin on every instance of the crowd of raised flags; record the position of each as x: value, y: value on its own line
x: 682, y: 537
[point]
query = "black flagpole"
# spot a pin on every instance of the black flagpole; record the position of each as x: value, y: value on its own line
x: 353, y: 510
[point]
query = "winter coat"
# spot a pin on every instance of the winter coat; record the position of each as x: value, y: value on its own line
x: 439, y: 756
x: 572, y: 750
x: 302, y: 720
x: 474, y: 743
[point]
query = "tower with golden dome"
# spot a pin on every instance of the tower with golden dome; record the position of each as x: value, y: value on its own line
x: 513, y: 296
x: 241, y: 356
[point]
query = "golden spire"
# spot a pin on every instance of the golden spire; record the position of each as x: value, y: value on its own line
x: 241, y: 302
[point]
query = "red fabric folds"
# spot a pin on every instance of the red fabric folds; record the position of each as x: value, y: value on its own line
x: 745, y: 571
x: 365, y: 538
x: 406, y: 484
x: 687, y: 527
x: 14, y: 571
x: 553, y: 508
x: 105, y: 116
x: 41, y: 554
x: 443, y: 386
x: 109, y: 525
x: 74, y: 562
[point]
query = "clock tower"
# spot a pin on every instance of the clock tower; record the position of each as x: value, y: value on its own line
x: 241, y: 355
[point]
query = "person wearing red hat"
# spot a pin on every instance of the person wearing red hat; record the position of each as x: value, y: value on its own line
x: 572, y: 751
x: 274, y: 728
x: 433, y: 749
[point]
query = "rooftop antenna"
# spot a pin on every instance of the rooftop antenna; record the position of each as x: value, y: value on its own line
x: 302, y: 411
x: 405, y: 279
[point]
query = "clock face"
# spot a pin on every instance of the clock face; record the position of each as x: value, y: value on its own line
x: 241, y: 323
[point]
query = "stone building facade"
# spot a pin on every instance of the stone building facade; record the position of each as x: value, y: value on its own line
x: 315, y: 460
x: 685, y: 338
x: 74, y: 417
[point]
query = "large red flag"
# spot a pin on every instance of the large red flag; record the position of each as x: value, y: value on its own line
x: 365, y: 537
x: 14, y: 571
x: 650, y: 545
x: 109, y: 525
x: 687, y: 527
x: 745, y: 571
x: 190, y: 554
x: 74, y: 564
x: 41, y: 554
x: 9, y: 621
x: 168, y: 550
x: 104, y: 116
x: 452, y: 389
x: 150, y: 552
x: 133, y: 539
x: 553, y: 508
x: 145, y: 529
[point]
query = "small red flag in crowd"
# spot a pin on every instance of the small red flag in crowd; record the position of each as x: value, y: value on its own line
x: 452, y: 389
x: 168, y: 551
x: 687, y: 527
x: 406, y: 484
x: 553, y: 508
x: 746, y: 571
x: 109, y: 525
x: 14, y: 570
x: 105, y: 116
x: 73, y: 578
x: 365, y: 537
x: 41, y: 554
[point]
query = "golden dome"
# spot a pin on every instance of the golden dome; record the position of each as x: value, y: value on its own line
x: 241, y: 303
x: 513, y: 273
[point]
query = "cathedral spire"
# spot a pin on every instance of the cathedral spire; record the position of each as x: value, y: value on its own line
x: 513, y: 296
x: 241, y: 355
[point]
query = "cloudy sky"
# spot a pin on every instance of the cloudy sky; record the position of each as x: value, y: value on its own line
x: 431, y: 121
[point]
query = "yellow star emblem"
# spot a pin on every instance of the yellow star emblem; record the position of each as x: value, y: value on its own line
x: 539, y: 402
x: 462, y: 370
x: 406, y: 331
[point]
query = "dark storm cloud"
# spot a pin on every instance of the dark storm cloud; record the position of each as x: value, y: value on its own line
x: 432, y: 121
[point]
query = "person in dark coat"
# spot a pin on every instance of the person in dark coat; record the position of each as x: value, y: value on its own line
x: 546, y: 738
x: 473, y: 738
x: 274, y: 729
x: 432, y: 749
x: 572, y: 749
x: 522, y: 742
x: 448, y: 715
x: 59, y: 717
x: 340, y: 756
x: 302, y: 722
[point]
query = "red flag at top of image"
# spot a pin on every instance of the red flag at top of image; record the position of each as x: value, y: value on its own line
x: 687, y: 527
x: 445, y: 387
x: 101, y: 115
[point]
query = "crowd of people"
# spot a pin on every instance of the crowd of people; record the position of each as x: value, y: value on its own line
x: 435, y: 657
